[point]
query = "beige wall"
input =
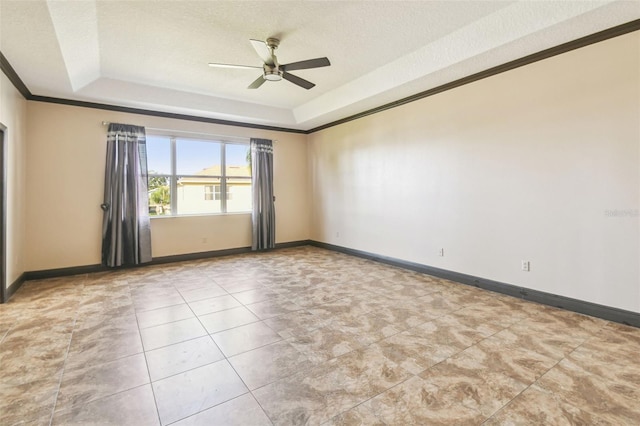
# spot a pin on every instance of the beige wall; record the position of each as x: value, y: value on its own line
x: 524, y: 165
x: 66, y: 155
x: 13, y: 115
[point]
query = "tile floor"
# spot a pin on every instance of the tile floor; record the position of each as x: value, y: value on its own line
x: 304, y: 336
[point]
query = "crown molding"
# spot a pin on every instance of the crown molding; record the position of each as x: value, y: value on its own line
x: 13, y: 77
x: 607, y: 34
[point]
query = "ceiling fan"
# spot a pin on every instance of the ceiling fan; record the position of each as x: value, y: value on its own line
x: 272, y: 70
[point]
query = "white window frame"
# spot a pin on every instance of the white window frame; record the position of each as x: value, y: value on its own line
x: 173, y: 177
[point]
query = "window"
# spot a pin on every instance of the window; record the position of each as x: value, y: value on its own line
x: 208, y: 193
x: 190, y: 175
x: 217, y: 191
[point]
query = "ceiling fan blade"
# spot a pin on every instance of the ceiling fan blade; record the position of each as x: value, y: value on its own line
x: 216, y: 65
x: 263, y: 51
x: 297, y: 80
x: 256, y: 83
x: 309, y: 63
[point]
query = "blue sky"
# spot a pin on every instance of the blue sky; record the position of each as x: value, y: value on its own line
x: 192, y: 155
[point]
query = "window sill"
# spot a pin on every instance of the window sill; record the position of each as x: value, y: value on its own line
x: 199, y: 215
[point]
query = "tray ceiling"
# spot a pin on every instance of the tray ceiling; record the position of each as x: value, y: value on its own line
x: 154, y: 54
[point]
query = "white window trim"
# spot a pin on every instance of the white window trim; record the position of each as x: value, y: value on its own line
x: 173, y: 135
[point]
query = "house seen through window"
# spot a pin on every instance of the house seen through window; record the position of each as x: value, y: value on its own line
x: 190, y: 176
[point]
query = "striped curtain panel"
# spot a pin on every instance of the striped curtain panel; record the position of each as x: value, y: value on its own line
x: 263, y: 216
x: 126, y: 232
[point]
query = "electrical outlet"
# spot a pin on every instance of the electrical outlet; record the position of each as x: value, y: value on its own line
x: 441, y: 252
x: 337, y: 234
x: 526, y: 266
x: 204, y: 241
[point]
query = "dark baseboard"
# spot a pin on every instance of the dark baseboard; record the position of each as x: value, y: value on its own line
x: 196, y: 256
x: 87, y: 269
x: 575, y: 305
x: 218, y: 253
x: 293, y: 244
x: 14, y: 287
x: 63, y: 272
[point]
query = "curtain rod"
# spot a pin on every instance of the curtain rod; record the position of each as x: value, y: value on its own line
x: 186, y: 132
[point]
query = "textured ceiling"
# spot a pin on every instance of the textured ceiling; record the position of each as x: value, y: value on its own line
x: 154, y: 54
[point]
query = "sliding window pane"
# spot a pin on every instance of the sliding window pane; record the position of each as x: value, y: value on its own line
x: 159, y: 155
x: 199, y: 195
x: 238, y: 195
x: 159, y: 195
x: 238, y: 160
x: 196, y: 157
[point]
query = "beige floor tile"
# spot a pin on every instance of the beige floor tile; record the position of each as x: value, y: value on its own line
x: 26, y: 364
x: 618, y: 338
x: 418, y: 402
x: 28, y: 402
x: 233, y: 284
x: 148, y: 303
x: 229, y: 318
x: 358, y: 416
x: 574, y: 328
x: 537, y: 407
x: 615, y: 402
x: 178, y: 358
x: 357, y: 306
x: 550, y: 344
x: 369, y: 328
x: 272, y: 308
x: 463, y: 380
x: 186, y: 282
x: 521, y: 364
x: 132, y: 407
x: 416, y: 350
x: 294, y: 401
x: 295, y: 324
x: 193, y: 295
x: 214, y: 304
x: 329, y: 389
x: 617, y: 365
x: 164, y: 315
x: 325, y: 343
x: 269, y: 363
x: 255, y: 295
x: 403, y: 316
x: 188, y: 393
x: 170, y: 333
x: 86, y: 384
x: 245, y: 338
x: 101, y: 347
x: 243, y: 410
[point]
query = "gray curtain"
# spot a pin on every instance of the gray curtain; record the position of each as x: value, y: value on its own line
x: 126, y: 234
x: 263, y: 215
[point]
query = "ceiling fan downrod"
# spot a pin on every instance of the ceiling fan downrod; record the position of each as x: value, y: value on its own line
x: 272, y: 73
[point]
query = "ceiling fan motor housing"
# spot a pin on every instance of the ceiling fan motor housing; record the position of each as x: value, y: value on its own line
x: 273, y: 43
x: 272, y: 73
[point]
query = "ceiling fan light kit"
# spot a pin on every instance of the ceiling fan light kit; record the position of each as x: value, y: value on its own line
x: 272, y: 70
x: 272, y: 74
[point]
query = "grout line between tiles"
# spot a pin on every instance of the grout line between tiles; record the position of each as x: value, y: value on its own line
x: 146, y: 362
x: 226, y: 359
x: 64, y: 364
